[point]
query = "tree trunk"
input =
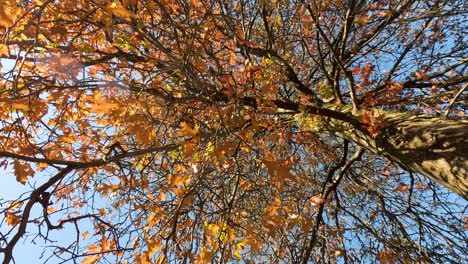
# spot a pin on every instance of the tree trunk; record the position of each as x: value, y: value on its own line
x: 432, y: 146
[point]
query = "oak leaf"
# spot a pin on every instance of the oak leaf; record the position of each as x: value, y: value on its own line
x: 12, y: 219
x: 187, y: 130
x: 22, y: 171
x: 279, y: 169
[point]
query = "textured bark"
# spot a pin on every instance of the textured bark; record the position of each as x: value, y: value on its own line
x: 432, y: 146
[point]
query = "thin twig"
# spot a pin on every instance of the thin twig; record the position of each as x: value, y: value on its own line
x: 454, y: 99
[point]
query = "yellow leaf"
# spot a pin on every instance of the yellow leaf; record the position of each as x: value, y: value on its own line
x: 51, y: 210
x: 22, y: 171
x: 117, y: 9
x: 237, y: 254
x: 205, y: 255
x: 9, y: 13
x: 15, y: 205
x: 160, y: 259
x: 239, y: 247
x: 85, y: 234
x: 3, y: 49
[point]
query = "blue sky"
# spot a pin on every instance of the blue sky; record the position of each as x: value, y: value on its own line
x: 10, y: 189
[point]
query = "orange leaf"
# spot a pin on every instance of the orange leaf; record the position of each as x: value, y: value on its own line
x: 103, y: 107
x: 90, y: 259
x: 22, y: 171
x: 9, y: 12
x: 316, y: 201
x: 3, y: 49
x: 93, y: 248
x: 187, y: 130
x: 102, y: 212
x: 12, y: 219
x: 178, y: 179
x: 23, y: 107
x: 117, y: 9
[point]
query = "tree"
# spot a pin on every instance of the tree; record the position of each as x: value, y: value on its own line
x: 214, y: 131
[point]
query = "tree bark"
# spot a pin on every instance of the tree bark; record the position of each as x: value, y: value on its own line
x: 432, y: 146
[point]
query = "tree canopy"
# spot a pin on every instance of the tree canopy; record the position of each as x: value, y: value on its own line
x: 250, y: 131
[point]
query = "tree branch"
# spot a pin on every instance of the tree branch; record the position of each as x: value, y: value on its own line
x: 357, y: 156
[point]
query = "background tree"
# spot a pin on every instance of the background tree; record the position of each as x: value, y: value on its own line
x: 215, y: 131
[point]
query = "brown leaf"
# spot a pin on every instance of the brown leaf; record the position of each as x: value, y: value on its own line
x: 187, y: 130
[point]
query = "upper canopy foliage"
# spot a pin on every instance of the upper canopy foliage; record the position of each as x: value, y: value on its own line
x: 213, y: 131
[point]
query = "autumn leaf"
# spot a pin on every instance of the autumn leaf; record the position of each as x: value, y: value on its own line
x: 153, y: 245
x: 386, y: 257
x: 279, y: 169
x: 85, y: 234
x: 4, y: 50
x: 94, y: 248
x: 239, y: 246
x: 12, y: 219
x: 90, y: 259
x: 234, y: 134
x: 116, y: 8
x: 22, y: 171
x: 9, y: 13
x: 22, y: 106
x: 103, y: 107
x: 187, y: 130
x: 373, y: 122
x: 316, y: 201
x: 177, y: 180
x: 205, y: 255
